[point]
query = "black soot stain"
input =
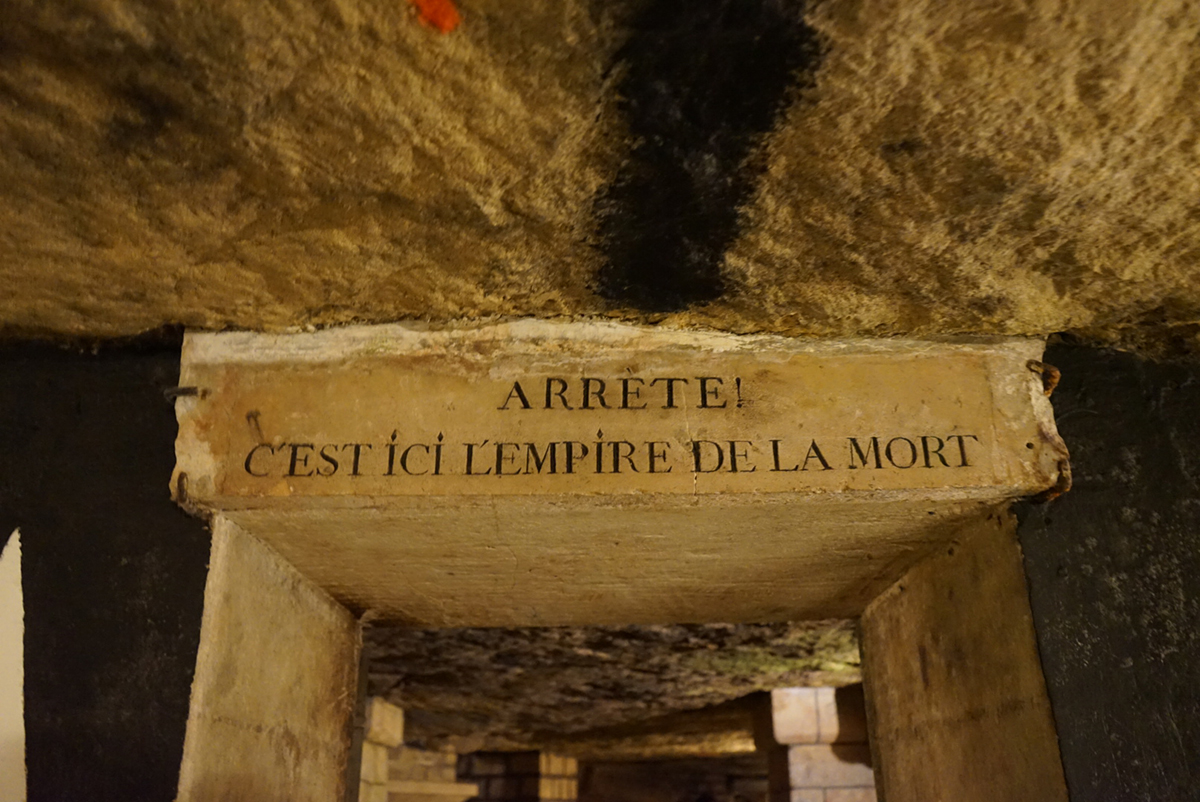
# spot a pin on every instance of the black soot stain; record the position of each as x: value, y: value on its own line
x: 703, y: 81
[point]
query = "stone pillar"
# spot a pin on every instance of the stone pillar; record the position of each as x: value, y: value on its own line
x: 522, y: 776
x: 275, y: 682
x: 426, y: 775
x: 955, y: 694
x: 822, y: 754
x: 383, y: 732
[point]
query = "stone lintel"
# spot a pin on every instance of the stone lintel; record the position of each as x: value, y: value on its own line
x: 535, y: 473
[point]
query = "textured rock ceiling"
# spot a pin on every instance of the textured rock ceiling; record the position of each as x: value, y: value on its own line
x: 845, y: 166
x: 636, y: 691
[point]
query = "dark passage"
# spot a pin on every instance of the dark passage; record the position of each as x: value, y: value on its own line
x: 113, y: 571
x: 703, y: 81
x: 1114, y: 577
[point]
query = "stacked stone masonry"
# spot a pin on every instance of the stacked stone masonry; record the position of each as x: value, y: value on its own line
x: 420, y: 775
x: 825, y: 732
x: 383, y: 731
x: 521, y: 776
x: 393, y: 772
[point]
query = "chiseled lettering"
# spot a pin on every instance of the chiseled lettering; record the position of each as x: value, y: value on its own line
x: 503, y: 459
x: 249, y: 464
x: 329, y: 458
x: 670, y: 404
x: 358, y: 447
x: 814, y: 452
x: 709, y: 393
x: 698, y: 456
x: 653, y: 457
x: 933, y: 452
x: 627, y: 393
x: 560, y: 393
x: 296, y: 461
x: 470, y: 467
x: 519, y: 394
x: 775, y: 459
x: 617, y: 447
x: 856, y: 450
x: 571, y: 456
x: 912, y: 452
x: 404, y: 455
x: 589, y: 393
x: 539, y: 461
x: 962, y: 447
x: 735, y: 455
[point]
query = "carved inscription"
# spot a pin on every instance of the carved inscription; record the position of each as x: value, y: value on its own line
x: 441, y: 453
x: 535, y: 408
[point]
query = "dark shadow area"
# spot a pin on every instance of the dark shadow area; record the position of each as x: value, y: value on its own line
x: 113, y: 571
x: 702, y: 82
x: 1114, y: 577
x: 734, y: 778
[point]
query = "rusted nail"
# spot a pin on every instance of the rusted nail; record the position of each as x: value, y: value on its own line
x: 171, y: 393
x: 255, y: 426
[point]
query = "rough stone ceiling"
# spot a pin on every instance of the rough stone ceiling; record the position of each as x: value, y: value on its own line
x: 628, y: 692
x: 835, y: 167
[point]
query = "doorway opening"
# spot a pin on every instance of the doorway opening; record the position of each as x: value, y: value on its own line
x: 665, y: 713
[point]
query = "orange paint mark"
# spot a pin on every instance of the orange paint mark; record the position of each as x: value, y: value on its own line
x: 440, y: 14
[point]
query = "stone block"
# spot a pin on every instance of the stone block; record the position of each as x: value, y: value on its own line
x: 951, y: 669
x: 830, y: 766
x: 274, y: 688
x: 850, y: 795
x: 375, y: 763
x: 372, y: 792
x: 794, y: 715
x: 384, y: 723
x: 842, y: 715
x: 291, y: 434
x: 808, y: 795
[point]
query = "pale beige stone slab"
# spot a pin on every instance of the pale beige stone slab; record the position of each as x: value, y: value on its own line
x: 850, y: 795
x: 794, y: 715
x: 545, y: 561
x: 817, y: 715
x: 372, y: 792
x: 275, y: 682
x: 830, y: 766
x: 955, y: 694
x: 807, y: 795
x: 384, y: 723
x: 374, y: 767
x: 431, y: 544
x: 601, y: 409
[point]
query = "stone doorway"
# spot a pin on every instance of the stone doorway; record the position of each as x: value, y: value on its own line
x: 538, y: 474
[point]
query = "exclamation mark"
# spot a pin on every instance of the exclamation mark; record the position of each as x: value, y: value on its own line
x: 737, y: 383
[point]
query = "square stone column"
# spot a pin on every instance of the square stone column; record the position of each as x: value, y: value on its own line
x: 275, y: 684
x: 955, y: 694
x: 819, y: 750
